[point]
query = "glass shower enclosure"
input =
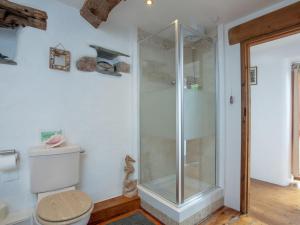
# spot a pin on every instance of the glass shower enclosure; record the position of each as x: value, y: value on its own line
x: 177, y: 113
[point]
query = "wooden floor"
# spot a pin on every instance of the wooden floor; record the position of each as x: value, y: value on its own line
x: 227, y: 216
x: 148, y: 216
x: 269, y: 205
x: 274, y: 205
x: 224, y: 216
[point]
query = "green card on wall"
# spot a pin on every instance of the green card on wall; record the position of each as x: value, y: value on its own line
x: 45, y: 135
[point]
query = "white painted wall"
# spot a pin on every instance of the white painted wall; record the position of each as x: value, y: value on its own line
x: 231, y: 70
x: 95, y: 111
x: 72, y: 101
x: 271, y: 117
x: 8, y: 42
x: 271, y: 109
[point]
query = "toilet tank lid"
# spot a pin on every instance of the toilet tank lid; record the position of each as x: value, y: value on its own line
x: 43, y: 150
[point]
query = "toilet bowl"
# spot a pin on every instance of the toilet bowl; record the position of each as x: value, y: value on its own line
x: 64, y: 208
x: 54, y: 174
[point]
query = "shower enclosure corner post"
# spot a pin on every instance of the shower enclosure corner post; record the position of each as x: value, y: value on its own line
x: 179, y: 114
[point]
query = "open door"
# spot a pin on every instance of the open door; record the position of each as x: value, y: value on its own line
x: 295, y: 120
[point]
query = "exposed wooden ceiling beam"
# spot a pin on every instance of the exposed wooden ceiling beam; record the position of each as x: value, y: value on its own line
x: 97, y: 11
x: 14, y: 15
x: 285, y: 17
x: 2, y: 13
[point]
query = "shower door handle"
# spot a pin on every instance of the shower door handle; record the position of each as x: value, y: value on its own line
x: 184, y: 150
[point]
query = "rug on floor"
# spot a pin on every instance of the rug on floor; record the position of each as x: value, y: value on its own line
x: 135, y: 219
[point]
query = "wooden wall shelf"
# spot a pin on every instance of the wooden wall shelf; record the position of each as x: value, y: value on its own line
x: 107, y: 62
x: 116, y: 74
x: 7, y: 61
x: 107, y: 53
x: 13, y: 15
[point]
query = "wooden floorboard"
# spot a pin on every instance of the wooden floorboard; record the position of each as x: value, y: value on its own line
x: 227, y: 216
x: 148, y: 216
x: 273, y: 204
x: 224, y: 216
x: 269, y: 205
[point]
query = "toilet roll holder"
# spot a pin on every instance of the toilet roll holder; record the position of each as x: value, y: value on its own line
x: 8, y: 152
x: 9, y: 159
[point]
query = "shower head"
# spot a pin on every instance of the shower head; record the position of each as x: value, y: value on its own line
x: 192, y: 38
x: 195, y: 42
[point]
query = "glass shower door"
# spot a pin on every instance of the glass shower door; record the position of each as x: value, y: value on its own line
x: 177, y: 113
x: 199, y: 108
x: 158, y: 114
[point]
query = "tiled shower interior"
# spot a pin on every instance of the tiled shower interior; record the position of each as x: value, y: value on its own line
x: 158, y: 115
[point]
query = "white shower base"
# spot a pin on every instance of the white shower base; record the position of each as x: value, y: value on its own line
x: 154, y: 194
x: 166, y: 187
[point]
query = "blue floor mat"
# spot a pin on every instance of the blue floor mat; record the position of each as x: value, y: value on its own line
x: 135, y: 219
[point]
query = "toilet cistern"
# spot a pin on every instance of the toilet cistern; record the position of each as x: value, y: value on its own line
x: 54, y: 176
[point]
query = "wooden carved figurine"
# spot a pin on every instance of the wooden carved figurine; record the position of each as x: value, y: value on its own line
x: 130, y: 186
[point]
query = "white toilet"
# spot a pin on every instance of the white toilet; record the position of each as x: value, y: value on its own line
x: 54, y: 174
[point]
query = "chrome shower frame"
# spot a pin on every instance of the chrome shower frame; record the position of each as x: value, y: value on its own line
x: 180, y: 142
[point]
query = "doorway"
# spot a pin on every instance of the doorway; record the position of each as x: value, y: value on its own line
x: 274, y: 84
x: 275, y: 25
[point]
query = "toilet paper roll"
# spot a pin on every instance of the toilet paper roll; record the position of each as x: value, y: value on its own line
x: 8, y: 162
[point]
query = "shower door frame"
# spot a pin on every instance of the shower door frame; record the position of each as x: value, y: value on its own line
x: 180, y: 142
x: 181, y: 145
x: 179, y: 114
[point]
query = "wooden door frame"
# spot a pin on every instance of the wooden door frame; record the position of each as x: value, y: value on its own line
x: 275, y: 25
x: 246, y: 107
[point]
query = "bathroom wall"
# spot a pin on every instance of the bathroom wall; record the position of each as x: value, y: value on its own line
x: 271, y: 116
x: 94, y: 111
x: 271, y: 137
x: 230, y: 70
x: 8, y: 42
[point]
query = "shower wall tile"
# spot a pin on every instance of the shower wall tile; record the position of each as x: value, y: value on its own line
x: 200, y: 159
x: 208, y: 160
x: 158, y: 158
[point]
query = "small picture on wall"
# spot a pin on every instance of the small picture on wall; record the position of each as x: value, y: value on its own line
x: 253, y: 75
x: 59, y: 59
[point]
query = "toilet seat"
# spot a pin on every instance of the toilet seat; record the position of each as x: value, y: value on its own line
x: 64, y: 208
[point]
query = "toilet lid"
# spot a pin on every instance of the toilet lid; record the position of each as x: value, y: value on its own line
x: 64, y: 206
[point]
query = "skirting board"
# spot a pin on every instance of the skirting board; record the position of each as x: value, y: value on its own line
x: 108, y: 209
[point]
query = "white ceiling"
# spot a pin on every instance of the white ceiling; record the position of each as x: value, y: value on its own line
x: 190, y: 12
